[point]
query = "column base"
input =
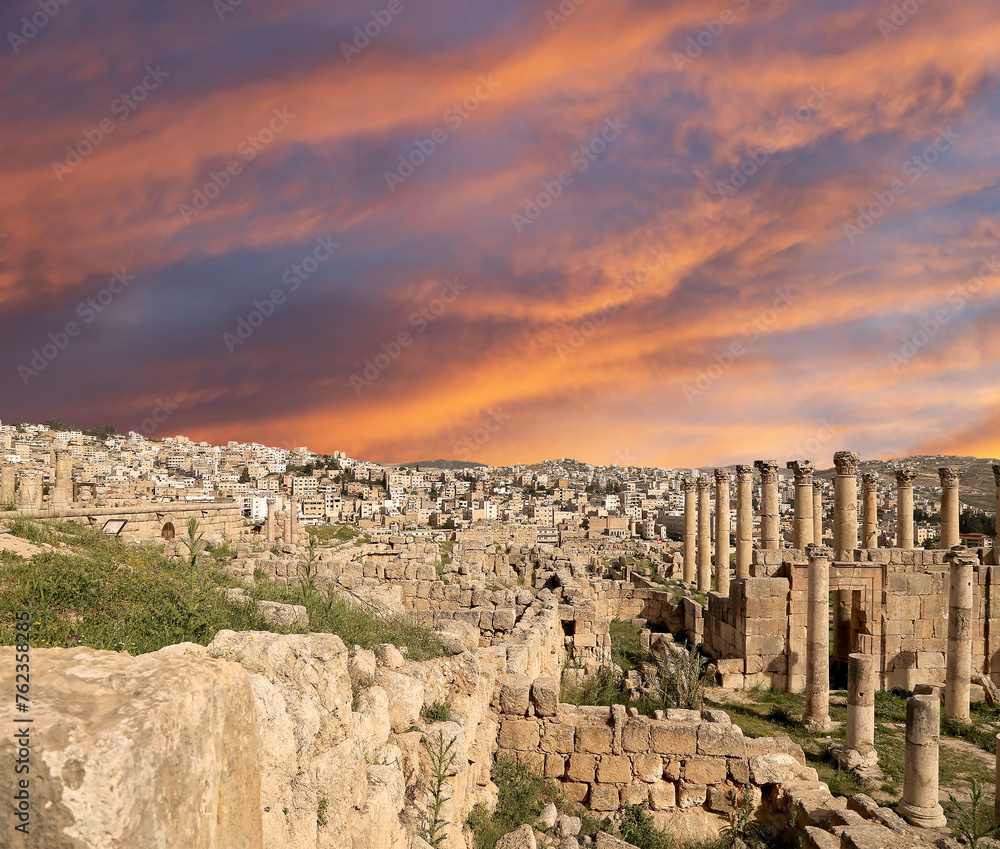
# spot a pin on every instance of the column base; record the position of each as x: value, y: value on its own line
x: 823, y: 723
x: 932, y: 817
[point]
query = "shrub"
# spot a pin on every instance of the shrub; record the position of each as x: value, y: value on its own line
x: 638, y: 828
x: 437, y: 712
x: 678, y: 677
x: 521, y: 798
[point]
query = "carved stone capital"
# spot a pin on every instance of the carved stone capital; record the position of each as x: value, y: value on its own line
x: 817, y: 486
x: 271, y: 501
x: 744, y: 473
x: 814, y: 551
x: 722, y: 475
x: 768, y: 470
x: 996, y: 473
x: 950, y: 476
x: 703, y: 484
x: 869, y: 482
x: 847, y: 462
x: 803, y: 470
x: 905, y: 476
x: 689, y: 484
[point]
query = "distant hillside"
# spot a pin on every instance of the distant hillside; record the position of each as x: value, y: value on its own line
x: 449, y: 465
x: 977, y: 473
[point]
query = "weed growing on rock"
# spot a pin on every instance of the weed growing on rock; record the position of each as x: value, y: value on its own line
x: 442, y: 757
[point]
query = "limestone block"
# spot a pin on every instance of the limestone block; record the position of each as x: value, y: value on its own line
x: 691, y: 795
x: 555, y: 765
x: 635, y: 735
x: 406, y: 698
x: 567, y: 826
x: 514, y: 694
x: 519, y: 734
x: 545, y: 696
x: 726, y: 740
x: 674, y: 739
x: 705, y: 770
x: 575, y: 791
x: 582, y: 767
x: 648, y: 767
x: 558, y: 737
x: 604, y: 797
x: 290, y: 616
x: 634, y: 794
x: 594, y: 738
x: 614, y: 769
x: 662, y: 795
x: 776, y: 768
x: 723, y: 798
x: 523, y: 837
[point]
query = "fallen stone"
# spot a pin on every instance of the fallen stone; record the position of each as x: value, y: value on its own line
x: 522, y: 837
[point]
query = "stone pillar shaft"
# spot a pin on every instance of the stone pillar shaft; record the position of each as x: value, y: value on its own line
x: 817, y: 714
x: 29, y: 495
x: 803, y: 527
x: 690, y: 529
x: 920, y: 804
x: 869, y: 510
x: 7, y: 479
x: 996, y: 542
x: 949, y: 507
x: 270, y: 521
x: 61, y: 493
x: 286, y: 535
x: 860, y: 741
x: 904, y: 508
x: 722, y: 522
x: 845, y: 504
x: 294, y: 508
x: 744, y: 521
x: 959, y: 660
x: 818, y: 512
x: 704, y: 535
x: 769, y: 519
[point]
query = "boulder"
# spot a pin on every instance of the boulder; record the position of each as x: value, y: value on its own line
x: 290, y: 616
x: 522, y: 837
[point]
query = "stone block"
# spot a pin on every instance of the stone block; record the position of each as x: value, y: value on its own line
x: 723, y: 798
x: 518, y: 734
x: 674, y: 739
x: 614, y: 769
x: 581, y: 768
x: 557, y: 737
x: 604, y: 797
x: 726, y: 740
x: 705, y: 770
x: 691, y: 795
x: 555, y: 766
x: 739, y: 770
x: 777, y: 768
x: 594, y: 738
x: 662, y: 795
x: 635, y: 735
x: 545, y: 696
x: 648, y: 767
x: 634, y: 794
x: 514, y: 694
x: 575, y: 791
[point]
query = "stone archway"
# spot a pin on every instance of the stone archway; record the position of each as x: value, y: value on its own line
x: 168, y: 531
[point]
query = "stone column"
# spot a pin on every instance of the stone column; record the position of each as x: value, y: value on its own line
x: 859, y: 746
x: 869, y: 510
x: 61, y: 493
x: 29, y: 495
x: 270, y: 520
x: 996, y: 783
x: 744, y: 520
x: 294, y: 509
x: 920, y: 804
x: 817, y: 715
x: 802, y: 529
x: 286, y: 528
x: 769, y: 522
x: 996, y: 542
x: 690, y: 528
x: 722, y: 526
x: 949, y: 507
x: 959, y: 660
x: 904, y: 507
x: 818, y: 512
x: 845, y: 504
x: 7, y: 479
x: 704, y: 535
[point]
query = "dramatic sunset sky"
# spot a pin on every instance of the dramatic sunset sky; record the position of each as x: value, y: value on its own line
x: 656, y: 306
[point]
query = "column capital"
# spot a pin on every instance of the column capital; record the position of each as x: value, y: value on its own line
x: 744, y: 473
x: 271, y: 501
x: 996, y: 473
x: 905, y: 476
x: 869, y: 482
x: 961, y: 558
x: 689, y: 484
x: 847, y: 462
x: 703, y: 484
x: 950, y: 476
x: 768, y: 470
x: 818, y: 486
x: 803, y: 470
x: 722, y: 475
x: 814, y: 551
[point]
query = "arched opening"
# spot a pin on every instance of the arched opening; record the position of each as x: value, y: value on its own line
x: 168, y: 531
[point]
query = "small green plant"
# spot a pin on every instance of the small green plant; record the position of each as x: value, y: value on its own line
x: 308, y: 586
x: 31, y: 531
x: 973, y: 821
x: 324, y: 805
x: 741, y: 822
x: 638, y: 828
x: 442, y: 757
x: 438, y: 712
x: 678, y: 677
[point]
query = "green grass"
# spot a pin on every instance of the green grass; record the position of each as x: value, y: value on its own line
x: 107, y: 594
x: 625, y: 649
x: 438, y: 712
x: 334, y: 533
